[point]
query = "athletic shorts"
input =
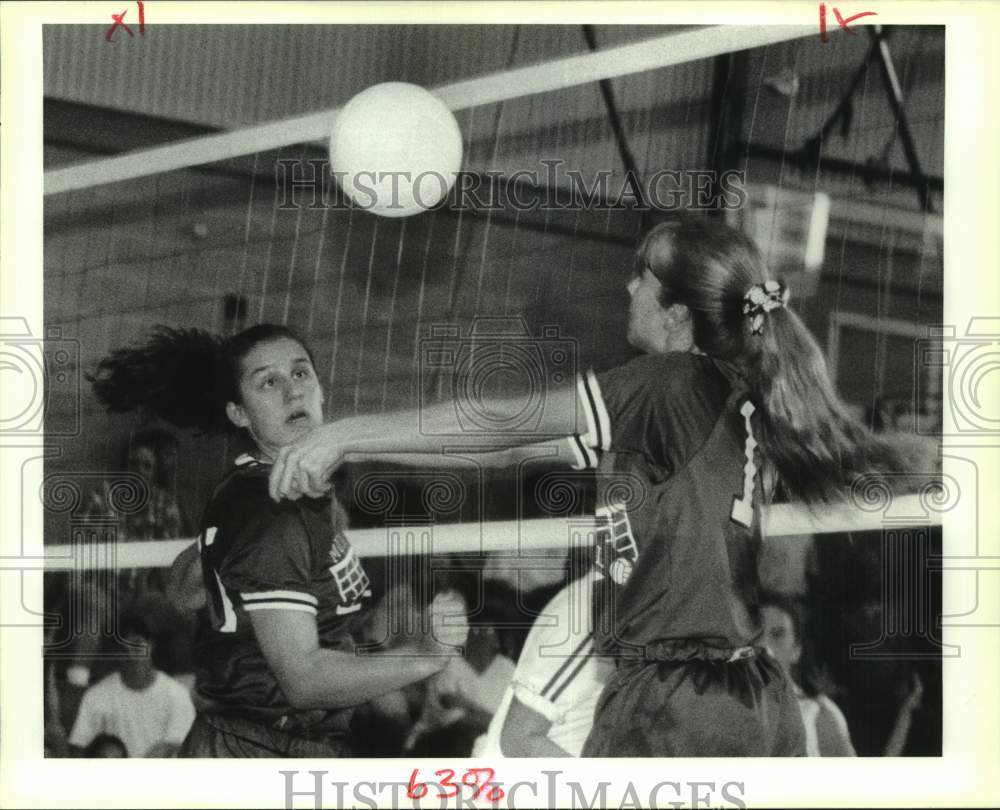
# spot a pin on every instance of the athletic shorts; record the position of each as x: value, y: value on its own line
x: 219, y: 736
x: 698, y: 707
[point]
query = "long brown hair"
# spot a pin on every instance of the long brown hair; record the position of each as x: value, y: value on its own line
x: 814, y: 444
x: 185, y: 376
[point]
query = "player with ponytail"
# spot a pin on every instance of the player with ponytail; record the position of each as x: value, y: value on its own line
x: 731, y: 380
x: 740, y: 316
x: 277, y: 671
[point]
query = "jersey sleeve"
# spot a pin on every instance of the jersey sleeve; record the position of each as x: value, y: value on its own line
x: 556, y: 654
x: 268, y: 559
x: 547, y: 687
x: 661, y: 406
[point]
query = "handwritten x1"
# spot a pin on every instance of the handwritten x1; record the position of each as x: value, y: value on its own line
x: 119, y: 23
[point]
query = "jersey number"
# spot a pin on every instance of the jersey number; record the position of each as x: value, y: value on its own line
x: 743, y: 507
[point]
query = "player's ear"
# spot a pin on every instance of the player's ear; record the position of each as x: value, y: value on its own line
x: 237, y: 415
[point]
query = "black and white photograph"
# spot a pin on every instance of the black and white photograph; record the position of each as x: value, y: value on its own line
x: 467, y: 397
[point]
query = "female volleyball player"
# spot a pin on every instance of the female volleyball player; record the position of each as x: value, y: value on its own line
x: 276, y: 664
x: 731, y: 379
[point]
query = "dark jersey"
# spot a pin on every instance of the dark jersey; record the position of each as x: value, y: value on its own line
x: 260, y: 555
x: 678, y: 508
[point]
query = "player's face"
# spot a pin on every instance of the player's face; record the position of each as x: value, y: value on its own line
x: 779, y: 636
x: 648, y: 321
x: 282, y: 399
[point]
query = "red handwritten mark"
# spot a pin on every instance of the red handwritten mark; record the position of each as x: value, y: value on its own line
x: 120, y: 23
x: 493, y: 793
x: 472, y: 778
x: 447, y: 774
x: 415, y: 789
x: 841, y: 20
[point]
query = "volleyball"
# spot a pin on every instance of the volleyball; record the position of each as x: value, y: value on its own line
x: 395, y: 149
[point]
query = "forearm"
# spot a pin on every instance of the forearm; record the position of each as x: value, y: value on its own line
x: 331, y: 679
x: 482, y: 426
x: 900, y: 731
x: 486, y: 456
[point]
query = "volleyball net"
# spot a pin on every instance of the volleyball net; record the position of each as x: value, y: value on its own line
x: 223, y: 229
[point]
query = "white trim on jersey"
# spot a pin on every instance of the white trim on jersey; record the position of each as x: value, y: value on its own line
x: 545, y: 702
x: 229, y: 612
x: 300, y: 596
x: 279, y: 600
x: 586, y: 458
x: 569, y: 670
x: 281, y: 606
x: 584, y: 398
x: 545, y: 707
x: 589, y: 394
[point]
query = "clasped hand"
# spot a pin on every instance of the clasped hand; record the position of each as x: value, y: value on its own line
x: 304, y: 467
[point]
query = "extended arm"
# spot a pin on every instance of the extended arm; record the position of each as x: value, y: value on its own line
x: 306, y: 466
x: 313, y: 677
x: 901, y: 730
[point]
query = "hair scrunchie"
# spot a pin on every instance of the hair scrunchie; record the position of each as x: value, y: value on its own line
x: 761, y: 299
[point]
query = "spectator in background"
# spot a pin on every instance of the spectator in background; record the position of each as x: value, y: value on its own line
x: 150, y: 454
x: 147, y: 710
x: 55, y: 733
x: 826, y: 729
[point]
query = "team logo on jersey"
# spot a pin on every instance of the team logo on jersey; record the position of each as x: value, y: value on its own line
x: 617, y: 551
x: 351, y: 580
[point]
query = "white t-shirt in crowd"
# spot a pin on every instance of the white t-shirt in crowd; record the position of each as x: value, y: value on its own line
x: 558, y: 674
x: 140, y: 718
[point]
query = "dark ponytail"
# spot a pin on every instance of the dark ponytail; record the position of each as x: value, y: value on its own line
x: 809, y: 437
x: 184, y: 376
